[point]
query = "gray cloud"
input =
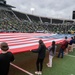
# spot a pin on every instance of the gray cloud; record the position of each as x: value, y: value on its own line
x: 49, y: 8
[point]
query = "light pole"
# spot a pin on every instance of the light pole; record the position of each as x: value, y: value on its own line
x: 32, y: 10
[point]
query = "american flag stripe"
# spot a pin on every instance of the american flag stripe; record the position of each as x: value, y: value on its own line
x: 21, y: 42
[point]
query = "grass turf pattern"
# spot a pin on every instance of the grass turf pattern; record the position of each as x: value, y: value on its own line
x: 27, y: 61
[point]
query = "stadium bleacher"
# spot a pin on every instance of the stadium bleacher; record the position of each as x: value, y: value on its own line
x: 15, y: 21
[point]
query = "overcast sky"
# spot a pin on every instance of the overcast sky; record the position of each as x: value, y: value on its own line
x: 48, y: 8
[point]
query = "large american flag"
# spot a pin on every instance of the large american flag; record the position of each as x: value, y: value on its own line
x: 22, y: 42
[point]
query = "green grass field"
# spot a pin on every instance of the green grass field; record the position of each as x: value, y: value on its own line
x: 27, y: 61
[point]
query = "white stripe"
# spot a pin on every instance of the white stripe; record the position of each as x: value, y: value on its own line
x: 22, y: 41
x: 71, y: 55
x: 22, y: 34
x: 26, y: 38
x: 21, y: 69
x: 26, y: 45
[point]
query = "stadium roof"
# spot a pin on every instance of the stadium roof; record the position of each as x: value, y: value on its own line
x: 6, y: 5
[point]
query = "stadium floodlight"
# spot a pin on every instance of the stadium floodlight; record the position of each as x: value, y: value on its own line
x: 32, y: 10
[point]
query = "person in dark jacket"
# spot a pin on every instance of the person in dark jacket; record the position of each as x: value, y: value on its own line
x: 70, y: 46
x: 5, y: 58
x: 73, y: 43
x: 41, y: 55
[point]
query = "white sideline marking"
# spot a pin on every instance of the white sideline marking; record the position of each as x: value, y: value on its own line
x: 71, y: 55
x: 72, y: 74
x: 21, y: 69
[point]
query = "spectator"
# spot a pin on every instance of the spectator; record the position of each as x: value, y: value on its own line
x: 63, y: 47
x: 41, y: 55
x: 70, y: 45
x: 73, y: 43
x: 5, y: 58
x: 52, y: 52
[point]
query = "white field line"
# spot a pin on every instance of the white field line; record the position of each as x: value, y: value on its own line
x: 71, y: 55
x: 21, y: 69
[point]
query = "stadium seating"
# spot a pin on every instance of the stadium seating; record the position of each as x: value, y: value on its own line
x: 13, y: 21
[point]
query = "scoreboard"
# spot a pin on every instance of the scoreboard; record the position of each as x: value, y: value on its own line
x: 73, y: 15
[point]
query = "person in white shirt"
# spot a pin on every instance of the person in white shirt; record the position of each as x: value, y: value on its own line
x: 52, y: 52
